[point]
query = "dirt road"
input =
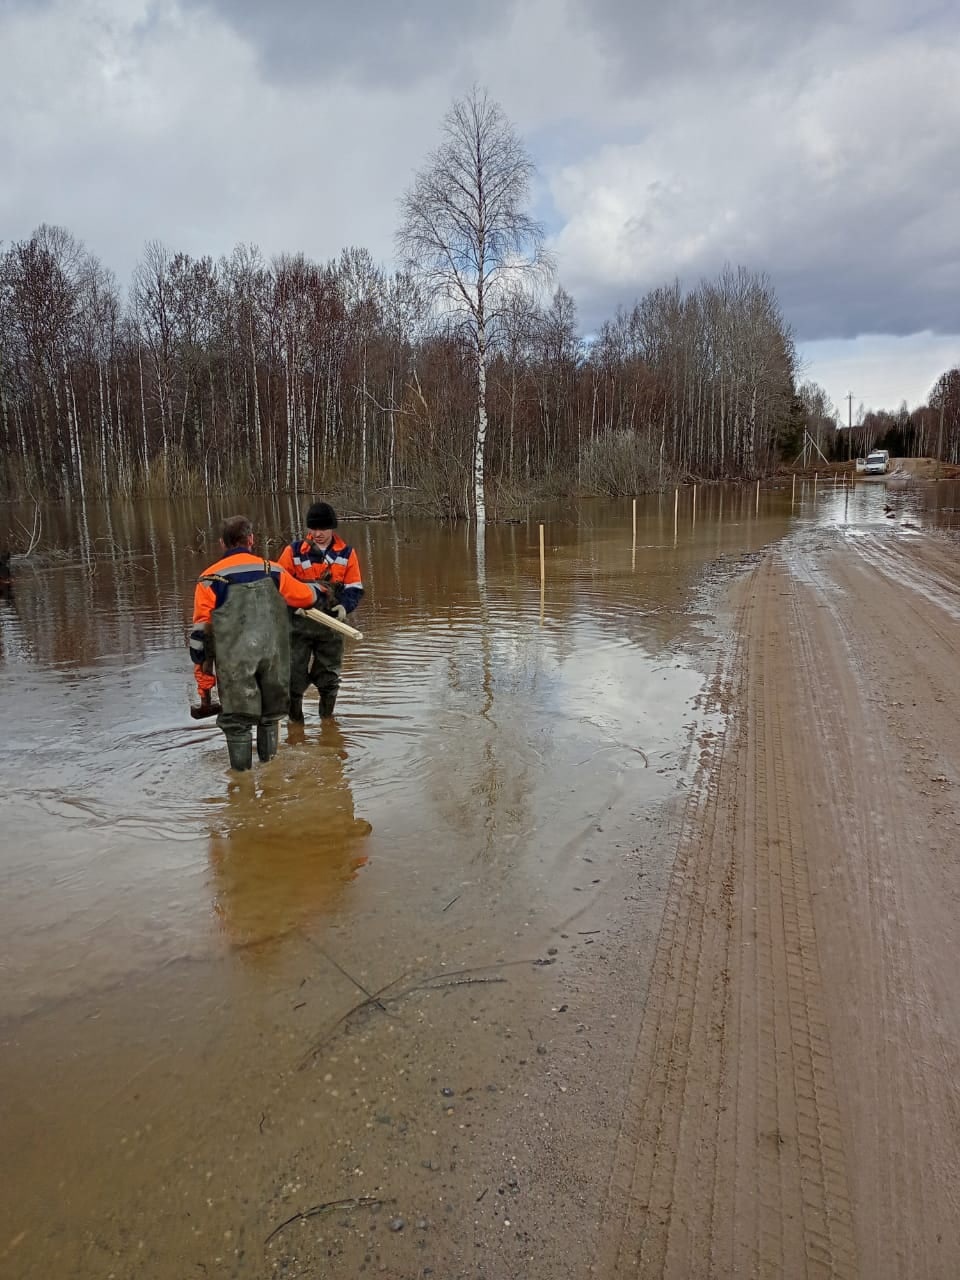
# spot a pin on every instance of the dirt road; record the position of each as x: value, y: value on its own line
x: 794, y: 1104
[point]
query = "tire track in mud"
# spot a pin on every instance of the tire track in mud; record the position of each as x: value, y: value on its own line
x: 891, y: 1012
x: 795, y: 1062
x: 793, y: 1109
x: 902, y: 565
x: 636, y: 1218
x: 730, y: 1157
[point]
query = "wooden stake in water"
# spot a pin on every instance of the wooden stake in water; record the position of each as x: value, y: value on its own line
x: 543, y: 574
x: 694, y: 520
x: 676, y: 512
x: 633, y: 554
x: 758, y: 498
x: 793, y: 495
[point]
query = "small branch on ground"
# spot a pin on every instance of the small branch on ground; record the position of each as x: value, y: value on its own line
x: 352, y: 1202
x: 433, y: 981
x: 457, y: 982
x: 340, y: 969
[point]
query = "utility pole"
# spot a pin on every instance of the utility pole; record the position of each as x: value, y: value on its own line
x: 849, y: 425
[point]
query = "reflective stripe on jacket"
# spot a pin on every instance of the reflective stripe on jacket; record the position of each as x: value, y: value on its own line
x: 338, y: 566
x: 239, y: 566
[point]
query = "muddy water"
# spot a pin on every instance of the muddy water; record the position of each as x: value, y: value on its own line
x: 183, y: 952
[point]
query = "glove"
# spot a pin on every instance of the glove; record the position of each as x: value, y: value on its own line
x: 338, y: 612
x: 205, y: 680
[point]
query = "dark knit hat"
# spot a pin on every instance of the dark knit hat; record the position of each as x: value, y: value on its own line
x: 321, y: 516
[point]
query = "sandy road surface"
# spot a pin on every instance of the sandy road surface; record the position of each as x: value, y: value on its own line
x: 794, y: 1108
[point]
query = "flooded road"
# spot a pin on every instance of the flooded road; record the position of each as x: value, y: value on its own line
x: 372, y: 978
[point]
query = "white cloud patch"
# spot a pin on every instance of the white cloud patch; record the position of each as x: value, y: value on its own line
x: 879, y: 370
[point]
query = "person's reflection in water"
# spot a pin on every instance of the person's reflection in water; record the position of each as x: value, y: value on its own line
x: 283, y: 853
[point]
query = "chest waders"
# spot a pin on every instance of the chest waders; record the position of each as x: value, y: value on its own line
x: 316, y: 657
x: 251, y: 639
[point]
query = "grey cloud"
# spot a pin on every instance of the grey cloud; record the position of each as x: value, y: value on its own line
x: 660, y: 41
x: 843, y: 262
x: 822, y: 294
x: 855, y: 269
x: 839, y: 168
x: 832, y: 280
x: 881, y: 276
x: 378, y: 42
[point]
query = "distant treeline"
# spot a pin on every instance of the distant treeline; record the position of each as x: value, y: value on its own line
x: 246, y: 376
x: 932, y: 431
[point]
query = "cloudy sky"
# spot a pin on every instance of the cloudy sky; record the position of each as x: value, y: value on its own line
x: 819, y: 143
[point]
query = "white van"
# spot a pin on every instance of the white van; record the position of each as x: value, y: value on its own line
x: 877, y: 463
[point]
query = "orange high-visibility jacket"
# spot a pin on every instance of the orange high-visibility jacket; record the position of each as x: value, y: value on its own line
x: 241, y: 565
x: 338, y: 566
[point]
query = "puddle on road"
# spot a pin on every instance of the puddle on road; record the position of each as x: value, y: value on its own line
x: 173, y: 937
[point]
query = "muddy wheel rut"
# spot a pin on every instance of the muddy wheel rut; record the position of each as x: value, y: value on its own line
x: 792, y: 1109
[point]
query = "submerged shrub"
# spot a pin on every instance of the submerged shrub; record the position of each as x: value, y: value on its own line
x: 620, y: 463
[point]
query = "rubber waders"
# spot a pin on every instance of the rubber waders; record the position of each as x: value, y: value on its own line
x: 268, y: 736
x: 240, y: 749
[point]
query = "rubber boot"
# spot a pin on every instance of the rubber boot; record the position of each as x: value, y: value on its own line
x: 296, y: 708
x: 268, y: 734
x: 328, y: 700
x: 240, y: 749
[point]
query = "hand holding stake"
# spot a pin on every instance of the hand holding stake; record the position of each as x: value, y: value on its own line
x: 333, y: 623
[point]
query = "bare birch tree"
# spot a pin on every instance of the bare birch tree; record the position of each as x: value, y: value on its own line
x: 465, y: 234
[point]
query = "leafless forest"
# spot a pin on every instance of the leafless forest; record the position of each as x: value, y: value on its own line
x: 244, y: 375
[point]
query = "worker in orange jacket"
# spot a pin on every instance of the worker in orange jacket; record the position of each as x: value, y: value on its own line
x: 240, y: 624
x: 322, y: 558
